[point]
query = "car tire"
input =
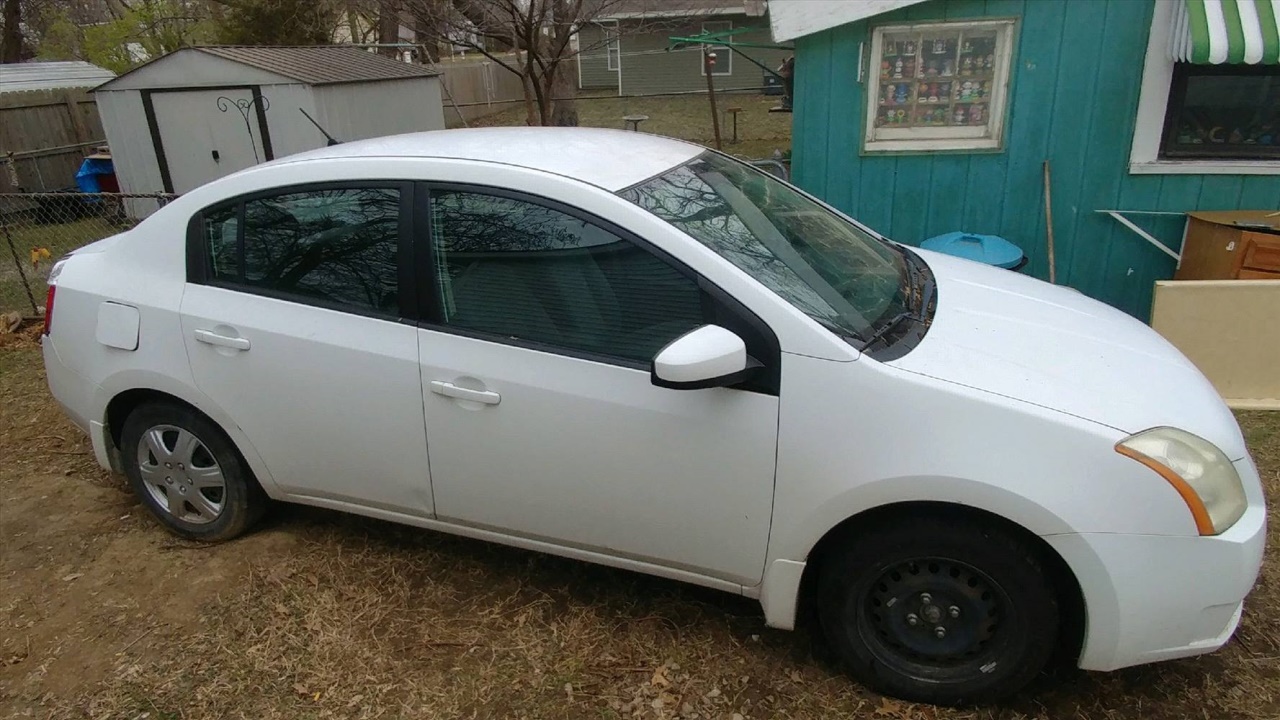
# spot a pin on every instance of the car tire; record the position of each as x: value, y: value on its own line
x: 938, y: 608
x: 188, y: 474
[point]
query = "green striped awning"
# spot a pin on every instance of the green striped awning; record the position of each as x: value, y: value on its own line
x: 1217, y: 32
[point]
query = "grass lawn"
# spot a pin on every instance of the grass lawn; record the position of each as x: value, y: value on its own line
x: 687, y: 117
x: 321, y: 615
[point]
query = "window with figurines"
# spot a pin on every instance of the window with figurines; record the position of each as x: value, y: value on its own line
x: 938, y: 86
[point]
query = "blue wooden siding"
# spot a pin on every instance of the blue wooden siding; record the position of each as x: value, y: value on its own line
x: 1073, y: 99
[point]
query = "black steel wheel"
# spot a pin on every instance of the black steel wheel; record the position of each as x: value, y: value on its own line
x: 939, y: 609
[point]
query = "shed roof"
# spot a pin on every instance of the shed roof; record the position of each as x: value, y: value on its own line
x: 51, y: 75
x: 640, y: 9
x: 312, y: 65
x: 791, y: 19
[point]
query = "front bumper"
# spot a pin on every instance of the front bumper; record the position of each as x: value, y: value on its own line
x: 1150, y: 598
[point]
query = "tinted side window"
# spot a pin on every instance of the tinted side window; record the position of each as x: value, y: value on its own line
x: 222, y: 239
x: 522, y: 270
x: 338, y: 246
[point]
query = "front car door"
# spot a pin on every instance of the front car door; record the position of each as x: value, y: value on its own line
x: 541, y: 416
x: 298, y: 323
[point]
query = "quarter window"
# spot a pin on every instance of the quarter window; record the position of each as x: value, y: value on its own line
x: 334, y: 246
x: 517, y: 269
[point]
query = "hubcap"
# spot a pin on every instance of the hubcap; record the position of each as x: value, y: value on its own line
x: 181, y: 474
x: 932, y: 613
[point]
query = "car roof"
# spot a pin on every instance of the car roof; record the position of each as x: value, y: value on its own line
x: 610, y: 159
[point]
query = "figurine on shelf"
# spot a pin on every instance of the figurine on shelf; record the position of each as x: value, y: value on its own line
x: 948, y: 67
x: 968, y: 47
x: 975, y: 114
x: 885, y: 69
x: 939, y: 47
x: 966, y: 89
x: 959, y: 116
x: 933, y: 93
x: 909, y: 48
x: 990, y: 62
x: 900, y: 94
x: 897, y: 68
x: 967, y: 66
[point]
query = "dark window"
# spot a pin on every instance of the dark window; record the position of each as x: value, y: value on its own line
x: 222, y: 238
x: 1223, y: 111
x: 335, y: 246
x: 523, y: 270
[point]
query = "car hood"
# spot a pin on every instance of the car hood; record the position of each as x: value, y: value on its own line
x: 1014, y: 336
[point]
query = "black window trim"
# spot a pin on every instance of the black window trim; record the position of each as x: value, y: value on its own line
x: 199, y: 272
x: 1182, y: 73
x: 768, y: 350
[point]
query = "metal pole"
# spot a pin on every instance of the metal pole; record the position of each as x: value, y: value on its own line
x: 709, y: 65
x: 17, y: 263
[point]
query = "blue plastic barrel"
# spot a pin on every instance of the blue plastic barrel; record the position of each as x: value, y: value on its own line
x: 989, y: 249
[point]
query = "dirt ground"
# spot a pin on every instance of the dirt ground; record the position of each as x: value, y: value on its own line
x: 320, y: 615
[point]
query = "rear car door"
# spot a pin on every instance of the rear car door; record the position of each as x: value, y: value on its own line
x: 298, y: 323
x: 542, y: 418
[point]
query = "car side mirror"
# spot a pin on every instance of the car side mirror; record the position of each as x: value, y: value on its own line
x: 706, y: 357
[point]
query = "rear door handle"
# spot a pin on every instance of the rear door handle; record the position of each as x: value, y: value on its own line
x: 210, y: 337
x: 487, y: 397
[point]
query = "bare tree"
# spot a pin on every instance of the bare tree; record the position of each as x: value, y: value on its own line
x: 536, y: 40
x: 11, y: 41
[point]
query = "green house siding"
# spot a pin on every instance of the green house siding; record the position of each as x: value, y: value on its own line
x: 1077, y: 68
x: 648, y: 68
x: 593, y: 62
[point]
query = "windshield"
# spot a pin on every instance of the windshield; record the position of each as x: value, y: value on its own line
x: 830, y: 269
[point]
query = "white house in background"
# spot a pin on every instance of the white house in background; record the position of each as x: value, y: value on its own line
x: 200, y: 113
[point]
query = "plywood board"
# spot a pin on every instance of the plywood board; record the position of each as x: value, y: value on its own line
x: 1230, y: 329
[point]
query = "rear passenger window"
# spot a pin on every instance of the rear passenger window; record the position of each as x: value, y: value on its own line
x: 338, y: 247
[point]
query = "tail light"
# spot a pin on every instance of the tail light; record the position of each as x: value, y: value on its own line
x: 48, y: 308
x: 54, y: 272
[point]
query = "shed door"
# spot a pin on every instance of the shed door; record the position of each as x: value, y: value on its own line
x: 205, y: 136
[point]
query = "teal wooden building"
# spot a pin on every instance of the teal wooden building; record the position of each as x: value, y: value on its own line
x: 921, y: 117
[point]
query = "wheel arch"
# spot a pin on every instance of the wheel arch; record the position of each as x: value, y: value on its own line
x: 126, y: 396
x: 1066, y: 585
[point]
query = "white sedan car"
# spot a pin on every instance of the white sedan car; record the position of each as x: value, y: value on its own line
x: 634, y: 351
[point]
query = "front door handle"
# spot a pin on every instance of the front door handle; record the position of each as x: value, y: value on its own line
x: 210, y: 337
x: 487, y: 397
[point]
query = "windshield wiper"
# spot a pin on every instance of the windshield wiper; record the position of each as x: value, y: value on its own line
x: 886, y: 328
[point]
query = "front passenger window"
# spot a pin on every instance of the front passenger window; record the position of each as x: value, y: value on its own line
x: 518, y: 269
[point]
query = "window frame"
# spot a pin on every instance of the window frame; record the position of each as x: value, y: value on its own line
x: 725, y: 310
x: 989, y: 137
x: 199, y: 272
x: 721, y: 51
x: 1153, y: 102
x: 612, y: 45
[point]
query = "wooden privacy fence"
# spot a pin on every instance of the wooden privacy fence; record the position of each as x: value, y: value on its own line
x: 44, y: 136
x: 479, y: 82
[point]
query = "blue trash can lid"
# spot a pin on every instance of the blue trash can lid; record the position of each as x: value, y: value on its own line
x: 989, y: 249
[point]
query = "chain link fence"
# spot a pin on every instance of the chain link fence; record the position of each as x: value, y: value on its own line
x: 36, y: 229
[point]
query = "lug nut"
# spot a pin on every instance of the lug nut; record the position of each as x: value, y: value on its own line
x: 912, y: 619
x: 940, y: 632
x: 926, y: 598
x: 953, y: 611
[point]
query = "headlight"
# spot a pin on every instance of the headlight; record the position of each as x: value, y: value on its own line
x: 1197, y: 469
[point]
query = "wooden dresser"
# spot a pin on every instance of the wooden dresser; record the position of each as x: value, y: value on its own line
x: 1230, y: 245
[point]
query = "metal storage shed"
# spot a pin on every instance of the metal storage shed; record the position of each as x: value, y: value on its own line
x: 200, y: 113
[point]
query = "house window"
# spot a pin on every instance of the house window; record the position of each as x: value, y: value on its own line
x: 724, y: 56
x: 1223, y: 111
x: 938, y: 86
x: 613, y: 46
